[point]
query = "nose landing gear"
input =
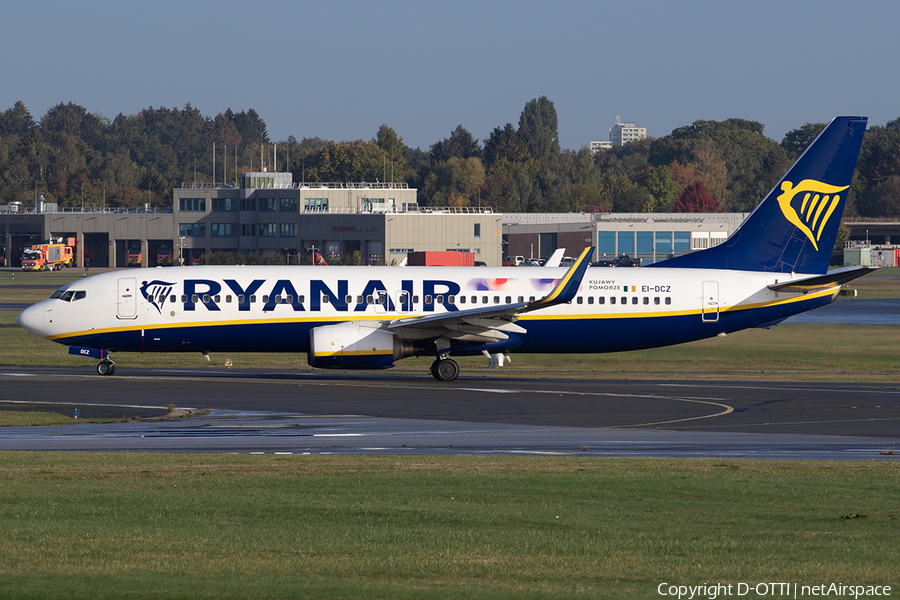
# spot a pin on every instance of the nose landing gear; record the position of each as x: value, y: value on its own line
x: 106, y: 367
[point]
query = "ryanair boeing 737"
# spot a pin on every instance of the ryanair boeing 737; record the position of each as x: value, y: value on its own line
x: 773, y: 266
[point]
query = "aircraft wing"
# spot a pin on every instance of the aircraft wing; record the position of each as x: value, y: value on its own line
x: 491, y: 323
x: 820, y: 282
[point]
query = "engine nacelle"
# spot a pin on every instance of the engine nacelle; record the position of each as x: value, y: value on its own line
x: 354, y: 345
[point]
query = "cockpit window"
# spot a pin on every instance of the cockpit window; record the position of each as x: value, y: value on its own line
x: 69, y: 295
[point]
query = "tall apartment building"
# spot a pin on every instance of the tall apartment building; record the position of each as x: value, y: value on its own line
x: 620, y: 133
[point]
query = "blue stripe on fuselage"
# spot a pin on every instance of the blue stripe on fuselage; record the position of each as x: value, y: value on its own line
x: 550, y: 335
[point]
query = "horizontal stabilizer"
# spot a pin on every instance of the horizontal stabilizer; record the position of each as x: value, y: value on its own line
x: 820, y: 282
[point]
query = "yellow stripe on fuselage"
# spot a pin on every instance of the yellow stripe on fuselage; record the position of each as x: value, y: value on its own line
x: 535, y: 316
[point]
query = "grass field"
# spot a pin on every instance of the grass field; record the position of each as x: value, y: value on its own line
x: 784, y: 353
x: 179, y: 526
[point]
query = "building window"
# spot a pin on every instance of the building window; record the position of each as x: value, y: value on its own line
x: 626, y: 242
x: 645, y: 242
x: 606, y: 243
x: 289, y: 204
x: 682, y: 241
x: 288, y: 230
x: 248, y: 229
x: 315, y: 205
x: 224, y: 230
x: 267, y: 205
x: 477, y: 229
x: 192, y: 204
x: 192, y: 229
x: 267, y: 230
x: 224, y: 204
x: 664, y: 242
x: 248, y: 204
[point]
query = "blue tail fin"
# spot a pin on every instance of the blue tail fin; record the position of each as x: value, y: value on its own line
x: 794, y: 228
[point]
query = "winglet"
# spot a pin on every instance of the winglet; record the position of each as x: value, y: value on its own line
x: 567, y: 287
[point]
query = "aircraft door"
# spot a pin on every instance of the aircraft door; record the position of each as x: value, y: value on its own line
x: 126, y: 301
x: 382, y: 302
x: 709, y: 309
x: 403, y: 301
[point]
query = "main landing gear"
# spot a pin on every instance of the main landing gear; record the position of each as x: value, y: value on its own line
x: 444, y: 369
x: 106, y: 367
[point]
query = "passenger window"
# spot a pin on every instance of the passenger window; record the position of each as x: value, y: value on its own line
x: 265, y: 298
x: 290, y: 299
x: 428, y: 299
x: 590, y: 299
x: 612, y: 299
x: 348, y: 299
x: 415, y: 299
x: 301, y: 299
x: 227, y: 298
x: 634, y: 299
x: 656, y: 300
x: 195, y: 298
x: 601, y: 300
x: 253, y: 299
x: 218, y: 298
x: 184, y: 298
x: 521, y: 299
x: 668, y: 300
x: 624, y: 300
x: 496, y: 299
x: 439, y: 299
x: 325, y: 299
x: 580, y: 300
x: 484, y: 299
x: 531, y: 299
x: 452, y: 299
x: 370, y: 299
x: 205, y: 298
x: 474, y: 299
x: 240, y: 298
x: 359, y: 299
x: 462, y: 299
x: 172, y: 298
x: 277, y: 299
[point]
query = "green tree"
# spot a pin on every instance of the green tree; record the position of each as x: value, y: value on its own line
x: 798, y: 140
x: 538, y: 126
x: 460, y: 144
x: 661, y: 184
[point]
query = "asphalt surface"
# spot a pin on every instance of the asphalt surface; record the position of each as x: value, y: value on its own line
x: 268, y: 411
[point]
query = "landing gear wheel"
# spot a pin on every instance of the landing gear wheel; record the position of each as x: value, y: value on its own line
x: 445, y: 369
x: 107, y: 367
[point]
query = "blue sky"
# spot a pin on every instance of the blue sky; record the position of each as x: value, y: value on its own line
x: 338, y: 70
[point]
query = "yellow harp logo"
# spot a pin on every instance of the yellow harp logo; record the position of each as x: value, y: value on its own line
x: 817, y: 201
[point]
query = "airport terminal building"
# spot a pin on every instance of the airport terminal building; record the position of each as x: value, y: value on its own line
x: 356, y: 223
x: 359, y: 223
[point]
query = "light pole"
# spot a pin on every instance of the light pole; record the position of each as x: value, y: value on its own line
x: 181, y: 250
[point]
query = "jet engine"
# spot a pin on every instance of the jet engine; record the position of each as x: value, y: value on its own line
x: 355, y: 345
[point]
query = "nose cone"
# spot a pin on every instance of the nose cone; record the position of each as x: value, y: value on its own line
x: 32, y: 319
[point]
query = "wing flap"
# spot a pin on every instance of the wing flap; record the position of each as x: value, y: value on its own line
x: 491, y: 323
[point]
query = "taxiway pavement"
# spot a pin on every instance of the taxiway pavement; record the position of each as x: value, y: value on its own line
x: 269, y: 411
